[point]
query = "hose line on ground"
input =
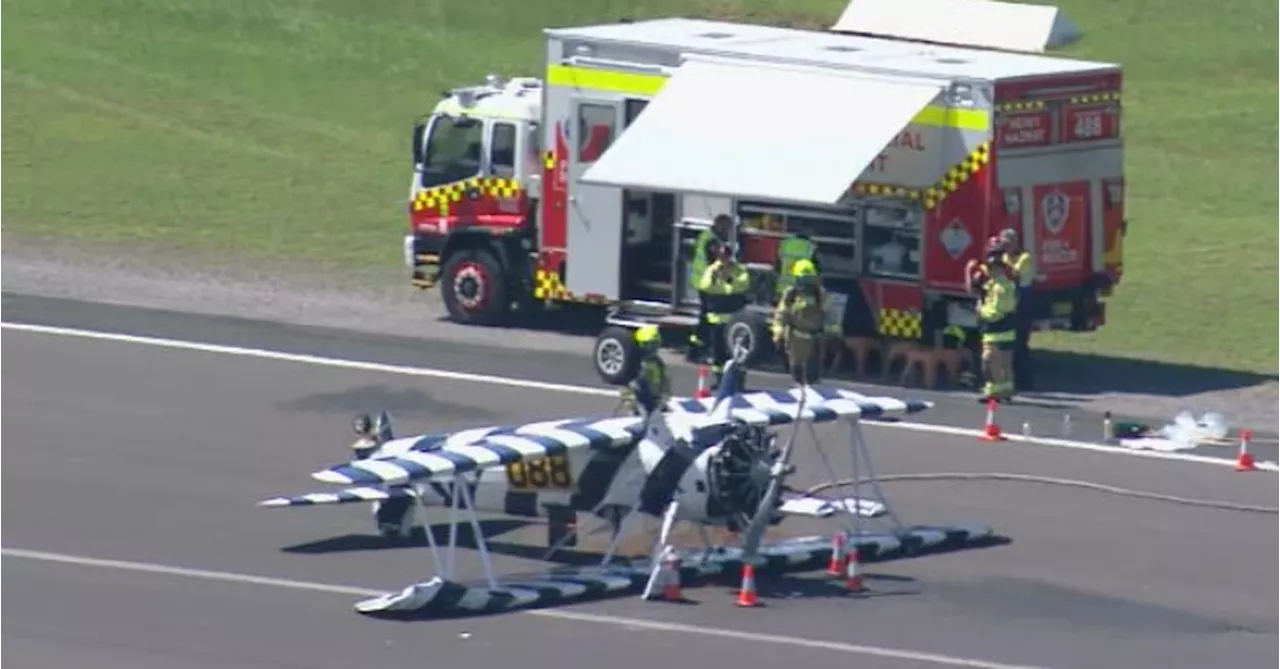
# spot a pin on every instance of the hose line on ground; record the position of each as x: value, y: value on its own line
x: 1048, y: 480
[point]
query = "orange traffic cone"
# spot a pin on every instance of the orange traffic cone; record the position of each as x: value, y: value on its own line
x: 704, y: 388
x: 671, y: 577
x: 992, y: 430
x: 836, y: 566
x: 852, y: 579
x: 747, y: 595
x: 1244, y: 462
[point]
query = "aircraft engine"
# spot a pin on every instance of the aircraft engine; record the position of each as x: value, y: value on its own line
x: 738, y: 474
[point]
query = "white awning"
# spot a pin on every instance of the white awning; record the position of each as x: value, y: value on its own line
x: 972, y: 23
x: 750, y: 129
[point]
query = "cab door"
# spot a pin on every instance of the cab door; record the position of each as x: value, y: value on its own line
x: 595, y: 212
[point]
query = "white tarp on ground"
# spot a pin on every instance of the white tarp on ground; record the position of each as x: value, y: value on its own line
x: 739, y: 128
x: 974, y: 23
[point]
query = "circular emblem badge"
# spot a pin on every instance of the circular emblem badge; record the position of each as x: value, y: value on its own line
x: 1055, y: 207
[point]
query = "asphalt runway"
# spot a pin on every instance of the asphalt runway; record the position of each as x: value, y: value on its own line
x: 129, y: 452
x: 1039, y: 416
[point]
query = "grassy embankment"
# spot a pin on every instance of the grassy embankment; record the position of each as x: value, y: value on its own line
x: 270, y: 129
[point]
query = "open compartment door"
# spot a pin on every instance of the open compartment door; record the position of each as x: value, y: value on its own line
x: 982, y: 24
x: 747, y: 129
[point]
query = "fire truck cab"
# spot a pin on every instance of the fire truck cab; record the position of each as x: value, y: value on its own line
x: 895, y: 155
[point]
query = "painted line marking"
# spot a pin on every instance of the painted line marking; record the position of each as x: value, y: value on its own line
x: 530, y: 384
x: 615, y: 621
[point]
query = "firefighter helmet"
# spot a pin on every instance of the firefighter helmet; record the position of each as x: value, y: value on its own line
x: 648, y: 337
x: 804, y: 267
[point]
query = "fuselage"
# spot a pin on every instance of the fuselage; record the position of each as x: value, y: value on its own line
x: 585, y: 481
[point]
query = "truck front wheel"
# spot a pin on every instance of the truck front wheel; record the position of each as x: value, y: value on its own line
x: 474, y: 288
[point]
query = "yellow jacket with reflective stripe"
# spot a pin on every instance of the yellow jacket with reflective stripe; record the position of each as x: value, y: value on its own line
x: 737, y: 281
x: 702, y: 254
x: 652, y: 379
x: 792, y: 250
x: 724, y: 295
x: 1023, y: 267
x: 802, y: 313
x: 997, y: 308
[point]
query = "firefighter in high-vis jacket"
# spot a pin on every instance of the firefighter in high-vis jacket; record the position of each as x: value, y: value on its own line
x: 997, y: 315
x: 705, y: 250
x: 800, y: 328
x: 724, y: 286
x: 650, y: 388
x: 792, y: 250
x: 1024, y: 273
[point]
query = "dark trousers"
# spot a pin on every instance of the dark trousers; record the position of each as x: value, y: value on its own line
x: 701, y: 332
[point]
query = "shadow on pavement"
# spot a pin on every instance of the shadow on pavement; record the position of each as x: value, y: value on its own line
x: 373, y: 542
x: 1085, y: 375
x: 1067, y: 377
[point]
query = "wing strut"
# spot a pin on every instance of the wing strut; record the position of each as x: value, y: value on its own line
x: 460, y: 499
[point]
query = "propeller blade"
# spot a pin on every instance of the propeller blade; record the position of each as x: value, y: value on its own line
x: 655, y: 566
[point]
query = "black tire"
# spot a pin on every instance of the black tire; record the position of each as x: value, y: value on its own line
x: 751, y: 327
x: 474, y: 288
x: 615, y: 356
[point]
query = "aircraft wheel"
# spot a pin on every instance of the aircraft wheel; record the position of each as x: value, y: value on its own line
x: 615, y: 355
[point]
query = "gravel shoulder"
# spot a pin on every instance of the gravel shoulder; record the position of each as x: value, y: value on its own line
x: 381, y: 301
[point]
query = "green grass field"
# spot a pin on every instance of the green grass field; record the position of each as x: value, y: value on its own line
x: 272, y: 129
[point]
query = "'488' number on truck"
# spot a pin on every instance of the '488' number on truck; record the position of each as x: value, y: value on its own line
x: 551, y: 472
x: 1089, y: 126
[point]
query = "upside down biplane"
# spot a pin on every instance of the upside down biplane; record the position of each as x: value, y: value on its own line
x: 709, y: 462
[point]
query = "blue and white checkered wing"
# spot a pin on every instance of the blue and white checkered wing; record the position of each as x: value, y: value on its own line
x: 781, y: 407
x: 429, y: 458
x: 348, y: 496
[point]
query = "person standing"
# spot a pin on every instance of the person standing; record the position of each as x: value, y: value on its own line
x: 997, y: 315
x: 725, y: 285
x: 1024, y: 273
x: 705, y: 250
x: 800, y: 326
x: 650, y: 388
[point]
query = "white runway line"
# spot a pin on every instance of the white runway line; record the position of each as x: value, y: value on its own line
x: 530, y: 384
x: 615, y: 621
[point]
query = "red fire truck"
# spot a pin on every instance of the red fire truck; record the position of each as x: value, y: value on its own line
x: 897, y: 158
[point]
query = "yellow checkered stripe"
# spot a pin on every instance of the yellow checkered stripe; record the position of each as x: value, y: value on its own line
x: 1021, y: 105
x: 1095, y: 98
x: 441, y: 197
x: 901, y: 323
x: 547, y: 286
x: 931, y: 197
x: 958, y: 175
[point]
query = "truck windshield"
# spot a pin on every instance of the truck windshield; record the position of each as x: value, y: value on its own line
x: 453, y: 150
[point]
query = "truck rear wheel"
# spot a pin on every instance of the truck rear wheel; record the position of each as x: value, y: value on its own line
x: 474, y: 288
x: 750, y: 331
x: 615, y: 356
